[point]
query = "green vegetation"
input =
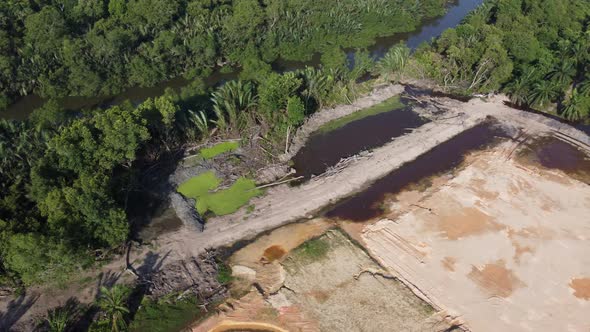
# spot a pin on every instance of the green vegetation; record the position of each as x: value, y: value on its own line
x: 390, y: 104
x: 312, y: 250
x: 113, y: 304
x: 166, y: 314
x: 228, y: 200
x: 217, y: 149
x: 525, y: 48
x: 100, y: 47
x: 221, y: 202
x: 224, y: 274
x: 199, y: 185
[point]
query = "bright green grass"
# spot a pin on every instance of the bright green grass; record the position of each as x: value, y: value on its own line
x: 312, y: 250
x: 163, y: 316
x: 217, y: 149
x: 199, y: 185
x: 386, y: 106
x: 229, y: 200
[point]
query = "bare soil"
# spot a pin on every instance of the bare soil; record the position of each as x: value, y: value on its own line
x: 341, y: 289
x: 503, y: 245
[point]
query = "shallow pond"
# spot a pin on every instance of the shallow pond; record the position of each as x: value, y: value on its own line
x: 553, y: 153
x: 324, y: 150
x: 443, y: 158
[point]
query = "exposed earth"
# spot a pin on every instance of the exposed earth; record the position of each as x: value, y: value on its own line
x: 502, y: 245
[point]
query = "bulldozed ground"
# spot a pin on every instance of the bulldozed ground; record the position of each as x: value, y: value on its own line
x: 503, y: 244
x: 326, y: 284
x: 499, y: 242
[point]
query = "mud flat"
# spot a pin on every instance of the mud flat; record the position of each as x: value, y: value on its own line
x: 503, y: 244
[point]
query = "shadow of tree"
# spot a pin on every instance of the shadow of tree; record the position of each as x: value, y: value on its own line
x: 152, y: 263
x: 15, y: 310
x: 74, y: 310
x: 108, y: 280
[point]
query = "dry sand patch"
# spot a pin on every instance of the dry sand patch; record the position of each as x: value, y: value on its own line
x: 345, y: 290
x: 504, y: 246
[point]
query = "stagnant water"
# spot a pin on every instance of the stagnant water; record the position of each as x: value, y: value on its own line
x: 426, y: 32
x: 553, y: 153
x: 324, y: 150
x: 443, y: 158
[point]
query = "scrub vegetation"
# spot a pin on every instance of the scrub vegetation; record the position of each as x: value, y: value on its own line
x: 166, y: 315
x: 525, y: 48
x: 218, y: 149
x: 312, y: 250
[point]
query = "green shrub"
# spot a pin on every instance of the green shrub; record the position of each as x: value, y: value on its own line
x: 216, y: 150
x: 199, y: 185
x: 166, y: 315
x: 229, y: 200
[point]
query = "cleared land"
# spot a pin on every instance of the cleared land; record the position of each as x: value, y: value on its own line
x: 336, y: 282
x: 504, y: 246
x: 284, y: 204
x: 325, y: 284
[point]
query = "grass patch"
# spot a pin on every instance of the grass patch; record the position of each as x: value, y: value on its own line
x: 217, y: 149
x: 199, y: 185
x: 390, y: 104
x: 166, y: 315
x: 224, y: 273
x: 312, y: 250
x: 229, y: 200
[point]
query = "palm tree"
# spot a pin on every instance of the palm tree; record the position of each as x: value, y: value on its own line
x: 576, y: 107
x: 563, y: 73
x: 112, y: 303
x: 543, y: 92
x: 58, y: 320
x: 584, y: 87
x: 316, y: 83
x: 394, y: 60
x: 230, y: 100
x: 518, y: 91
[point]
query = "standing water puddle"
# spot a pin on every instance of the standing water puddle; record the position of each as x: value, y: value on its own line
x: 444, y: 157
x: 553, y: 153
x: 324, y: 150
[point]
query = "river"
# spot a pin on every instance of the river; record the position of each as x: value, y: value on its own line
x: 430, y: 29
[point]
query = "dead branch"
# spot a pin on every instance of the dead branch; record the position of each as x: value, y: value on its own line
x: 278, y: 183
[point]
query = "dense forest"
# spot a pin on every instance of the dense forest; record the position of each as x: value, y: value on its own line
x: 58, y: 48
x: 536, y: 51
x: 67, y: 176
